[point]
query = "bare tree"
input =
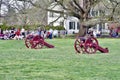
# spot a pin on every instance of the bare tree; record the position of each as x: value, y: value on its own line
x: 113, y: 7
x: 27, y: 14
x: 82, y: 9
x: 21, y: 7
x: 5, y: 10
x: 0, y: 7
x: 0, y: 10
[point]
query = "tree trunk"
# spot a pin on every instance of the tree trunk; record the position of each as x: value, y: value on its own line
x: 82, y: 31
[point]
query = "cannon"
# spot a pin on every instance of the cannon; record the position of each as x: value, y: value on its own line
x: 36, y: 42
x: 88, y: 45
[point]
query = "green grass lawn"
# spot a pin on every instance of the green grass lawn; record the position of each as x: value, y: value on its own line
x: 61, y: 63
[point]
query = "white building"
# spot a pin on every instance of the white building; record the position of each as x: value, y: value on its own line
x: 55, y: 19
x: 101, y: 27
x: 70, y: 23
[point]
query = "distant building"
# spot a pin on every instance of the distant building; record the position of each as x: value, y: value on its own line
x: 70, y: 23
x: 98, y: 11
x: 55, y: 19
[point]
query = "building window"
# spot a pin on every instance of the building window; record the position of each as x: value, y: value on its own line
x: 72, y: 25
x: 94, y: 13
x: 100, y: 27
x: 51, y: 14
x: 78, y: 25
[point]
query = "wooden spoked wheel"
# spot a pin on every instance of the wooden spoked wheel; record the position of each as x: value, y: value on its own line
x: 29, y: 41
x: 39, y: 46
x: 38, y: 42
x: 91, y: 45
x: 79, y: 45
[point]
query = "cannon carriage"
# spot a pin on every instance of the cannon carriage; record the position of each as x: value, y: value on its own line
x: 88, y: 45
x: 36, y: 42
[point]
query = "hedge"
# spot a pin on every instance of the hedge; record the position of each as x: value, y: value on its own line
x: 31, y: 27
